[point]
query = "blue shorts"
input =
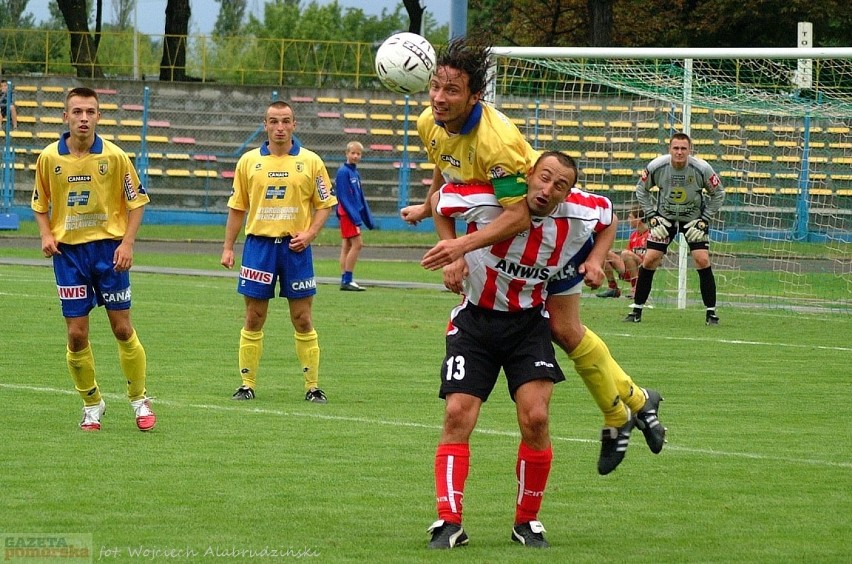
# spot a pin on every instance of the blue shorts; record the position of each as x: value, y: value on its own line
x: 266, y: 260
x: 86, y: 278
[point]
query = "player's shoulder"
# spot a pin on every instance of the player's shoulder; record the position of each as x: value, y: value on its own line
x: 659, y: 162
x: 700, y: 164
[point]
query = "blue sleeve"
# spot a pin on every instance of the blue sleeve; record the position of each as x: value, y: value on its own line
x: 346, y: 196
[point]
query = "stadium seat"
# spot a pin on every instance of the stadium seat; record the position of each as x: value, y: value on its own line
x: 381, y: 131
x: 205, y: 173
x: 355, y: 130
x: 354, y: 101
x: 301, y: 99
x: 156, y: 139
x: 159, y: 123
x: 380, y: 102
x: 107, y: 122
x: 227, y: 174
x: 354, y: 115
x: 328, y: 115
x: 328, y: 100
x: 131, y: 122
x: 204, y: 158
x: 179, y: 172
x: 130, y: 137
x: 53, y: 104
x: 381, y: 147
x: 184, y: 140
x: 25, y: 103
x: 177, y: 156
x: 108, y: 107
x: 49, y: 135
x: 53, y: 120
x: 133, y: 107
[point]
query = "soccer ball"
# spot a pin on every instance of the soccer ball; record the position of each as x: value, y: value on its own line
x: 405, y: 63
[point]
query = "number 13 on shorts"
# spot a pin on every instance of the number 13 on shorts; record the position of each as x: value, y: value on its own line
x: 455, y: 368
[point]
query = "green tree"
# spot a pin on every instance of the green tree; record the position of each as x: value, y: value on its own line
x: 123, y: 12
x: 230, y: 18
x: 12, y: 14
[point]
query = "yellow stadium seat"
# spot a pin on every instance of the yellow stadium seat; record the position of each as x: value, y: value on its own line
x: 177, y: 172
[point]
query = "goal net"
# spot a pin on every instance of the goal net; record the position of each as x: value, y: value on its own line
x: 776, y: 125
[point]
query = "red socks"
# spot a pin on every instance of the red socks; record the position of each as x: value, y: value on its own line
x: 452, y: 462
x: 532, y: 470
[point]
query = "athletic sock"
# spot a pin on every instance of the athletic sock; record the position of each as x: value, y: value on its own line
x: 532, y: 470
x: 707, y: 283
x: 601, y: 374
x: 452, y: 464
x: 134, y: 364
x: 308, y: 353
x: 251, y: 349
x: 81, y: 366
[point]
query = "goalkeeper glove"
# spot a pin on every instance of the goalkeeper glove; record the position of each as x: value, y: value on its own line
x: 697, y: 230
x: 659, y: 227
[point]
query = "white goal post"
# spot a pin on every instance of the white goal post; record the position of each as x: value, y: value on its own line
x: 776, y: 124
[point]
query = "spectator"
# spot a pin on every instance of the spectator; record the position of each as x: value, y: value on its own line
x: 352, y: 212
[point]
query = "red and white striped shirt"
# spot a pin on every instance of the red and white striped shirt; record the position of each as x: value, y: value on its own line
x: 512, y: 275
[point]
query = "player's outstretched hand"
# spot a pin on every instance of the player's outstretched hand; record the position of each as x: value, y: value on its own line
x: 442, y: 254
x: 659, y: 227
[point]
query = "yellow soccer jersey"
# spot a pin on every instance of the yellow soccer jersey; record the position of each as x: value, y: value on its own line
x: 280, y: 194
x: 87, y: 197
x: 489, y: 148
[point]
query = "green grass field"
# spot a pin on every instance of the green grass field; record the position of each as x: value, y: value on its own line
x: 757, y: 468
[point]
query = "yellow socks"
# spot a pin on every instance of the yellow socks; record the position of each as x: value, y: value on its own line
x: 308, y: 353
x: 600, y: 373
x: 81, y: 365
x: 134, y: 364
x: 251, y: 349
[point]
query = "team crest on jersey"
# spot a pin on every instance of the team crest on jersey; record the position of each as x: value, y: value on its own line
x: 714, y: 181
x: 644, y: 176
x: 103, y: 167
x: 300, y: 167
x: 471, y: 153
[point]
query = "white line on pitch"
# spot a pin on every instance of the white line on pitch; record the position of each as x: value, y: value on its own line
x: 728, y: 341
x: 493, y: 432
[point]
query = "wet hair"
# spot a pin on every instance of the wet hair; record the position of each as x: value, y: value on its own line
x: 564, y: 159
x: 470, y: 57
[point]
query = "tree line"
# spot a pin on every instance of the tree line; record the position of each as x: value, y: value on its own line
x: 576, y: 23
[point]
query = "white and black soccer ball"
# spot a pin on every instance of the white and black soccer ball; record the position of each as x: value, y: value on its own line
x: 405, y: 63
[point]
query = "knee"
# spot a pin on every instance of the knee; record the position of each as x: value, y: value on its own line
x: 78, y: 338
x: 534, y: 424
x: 567, y: 335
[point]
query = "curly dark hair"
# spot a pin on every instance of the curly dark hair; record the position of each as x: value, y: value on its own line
x: 470, y: 56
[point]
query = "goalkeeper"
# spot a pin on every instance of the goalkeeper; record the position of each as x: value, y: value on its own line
x: 690, y: 192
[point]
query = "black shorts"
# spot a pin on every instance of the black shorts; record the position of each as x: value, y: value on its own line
x: 481, y: 341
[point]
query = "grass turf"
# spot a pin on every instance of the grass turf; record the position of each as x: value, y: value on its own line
x: 756, y: 469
